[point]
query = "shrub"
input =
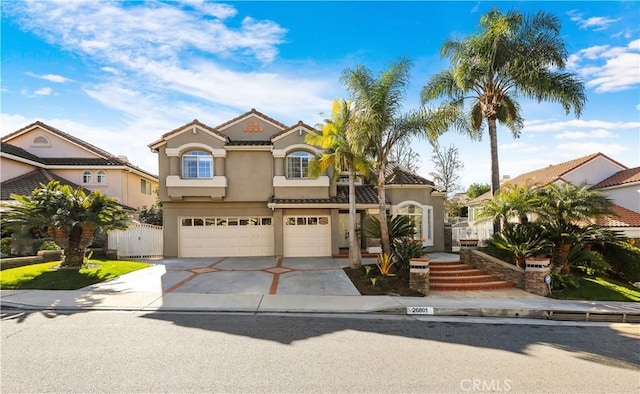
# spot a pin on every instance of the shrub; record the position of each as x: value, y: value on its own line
x: 519, y: 242
x: 587, y: 262
x: 5, y: 246
x: 49, y: 245
x: 385, y: 263
x: 564, y: 281
x: 405, y: 249
x: 399, y: 227
x: 623, y: 258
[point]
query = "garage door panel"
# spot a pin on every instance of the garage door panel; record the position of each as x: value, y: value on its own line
x: 255, y: 237
x: 307, y: 236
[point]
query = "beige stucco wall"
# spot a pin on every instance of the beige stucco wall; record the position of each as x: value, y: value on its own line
x: 592, y: 172
x: 249, y: 175
x: 294, y: 137
x: 200, y: 136
x: 58, y: 147
x: 626, y: 196
x: 10, y: 169
x: 251, y: 128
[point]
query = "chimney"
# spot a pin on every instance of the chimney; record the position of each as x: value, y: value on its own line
x: 505, y: 178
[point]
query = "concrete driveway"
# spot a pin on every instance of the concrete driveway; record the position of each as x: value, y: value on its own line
x: 238, y: 275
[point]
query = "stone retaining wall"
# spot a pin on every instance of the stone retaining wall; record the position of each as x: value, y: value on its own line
x: 493, y: 266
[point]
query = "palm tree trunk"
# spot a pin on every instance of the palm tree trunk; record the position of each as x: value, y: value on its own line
x: 382, y: 206
x: 355, y: 260
x: 495, y: 170
x: 74, y: 252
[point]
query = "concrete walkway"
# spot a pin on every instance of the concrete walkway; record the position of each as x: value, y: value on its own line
x: 270, y: 285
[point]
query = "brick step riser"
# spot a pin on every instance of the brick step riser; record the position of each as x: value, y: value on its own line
x: 462, y: 279
x: 451, y: 267
x: 440, y: 274
x: 458, y: 287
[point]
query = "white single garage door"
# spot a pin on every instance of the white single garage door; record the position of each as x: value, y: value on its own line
x: 307, y: 236
x: 226, y: 236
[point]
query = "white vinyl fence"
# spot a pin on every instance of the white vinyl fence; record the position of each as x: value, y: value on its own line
x: 481, y: 234
x: 139, y: 240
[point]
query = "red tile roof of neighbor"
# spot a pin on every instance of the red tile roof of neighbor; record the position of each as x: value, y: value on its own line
x: 620, y: 178
x: 621, y: 217
x: 547, y: 175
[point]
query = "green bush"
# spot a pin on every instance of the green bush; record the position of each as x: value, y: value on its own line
x: 399, y: 227
x: 623, y: 258
x: 5, y: 246
x: 519, y: 242
x: 405, y: 249
x: 49, y: 245
x: 564, y: 281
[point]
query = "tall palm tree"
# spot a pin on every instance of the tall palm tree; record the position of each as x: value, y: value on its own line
x: 380, y: 121
x: 70, y: 216
x: 342, y: 151
x: 510, y: 56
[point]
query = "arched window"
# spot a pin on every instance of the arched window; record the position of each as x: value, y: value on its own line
x: 197, y: 164
x: 414, y: 213
x: 86, y: 177
x: 297, y: 164
x: 102, y: 177
x: 40, y: 140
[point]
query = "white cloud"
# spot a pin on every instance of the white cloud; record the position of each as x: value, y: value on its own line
x: 574, y: 135
x: 43, y: 92
x: 550, y: 126
x: 596, y: 23
x: 521, y: 147
x: 110, y: 70
x: 606, y: 68
x: 50, y: 77
x: 585, y: 148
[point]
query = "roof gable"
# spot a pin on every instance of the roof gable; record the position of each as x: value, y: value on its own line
x: 253, y: 113
x: 398, y: 175
x: 189, y: 127
x: 298, y: 127
x: 68, y: 138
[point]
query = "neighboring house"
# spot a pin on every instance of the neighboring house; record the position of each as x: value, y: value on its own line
x: 39, y: 153
x: 615, y: 180
x: 240, y: 189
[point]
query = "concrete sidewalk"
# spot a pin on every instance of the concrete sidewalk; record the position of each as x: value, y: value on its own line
x: 152, y: 301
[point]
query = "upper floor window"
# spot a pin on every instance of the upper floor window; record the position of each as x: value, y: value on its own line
x: 298, y: 164
x: 102, y: 177
x: 197, y: 164
x: 145, y: 186
x: 414, y: 213
x: 87, y: 177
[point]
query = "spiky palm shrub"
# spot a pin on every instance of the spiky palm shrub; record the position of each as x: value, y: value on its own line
x: 70, y: 216
x: 519, y: 242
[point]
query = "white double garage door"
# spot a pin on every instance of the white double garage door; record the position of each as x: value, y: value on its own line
x: 303, y: 236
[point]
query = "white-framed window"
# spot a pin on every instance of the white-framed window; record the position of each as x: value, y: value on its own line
x: 298, y: 164
x: 197, y: 164
x: 145, y: 187
x: 421, y: 216
x: 414, y: 212
x: 87, y: 177
x: 102, y: 177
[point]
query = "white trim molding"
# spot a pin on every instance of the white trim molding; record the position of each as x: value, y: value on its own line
x: 175, y: 152
x: 281, y: 181
x: 295, y: 147
x: 176, y: 181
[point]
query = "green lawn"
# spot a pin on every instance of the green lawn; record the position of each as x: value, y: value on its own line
x: 45, y: 277
x: 600, y: 289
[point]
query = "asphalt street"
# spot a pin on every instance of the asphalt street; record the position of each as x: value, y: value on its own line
x: 206, y: 352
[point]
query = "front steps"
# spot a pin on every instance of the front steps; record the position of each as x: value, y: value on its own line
x: 456, y: 276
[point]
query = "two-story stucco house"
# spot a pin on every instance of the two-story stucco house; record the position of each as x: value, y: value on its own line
x: 241, y: 189
x: 39, y: 153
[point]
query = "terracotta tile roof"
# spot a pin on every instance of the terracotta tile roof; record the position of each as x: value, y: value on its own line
x: 365, y: 194
x: 288, y: 129
x: 248, y: 143
x: 620, y: 178
x: 621, y: 217
x: 251, y: 112
x: 25, y: 183
x: 552, y: 173
x: 194, y: 122
x: 397, y: 175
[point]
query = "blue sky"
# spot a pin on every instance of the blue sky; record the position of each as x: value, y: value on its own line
x: 120, y: 74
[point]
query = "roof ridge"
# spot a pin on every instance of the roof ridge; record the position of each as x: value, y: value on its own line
x: 252, y: 111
